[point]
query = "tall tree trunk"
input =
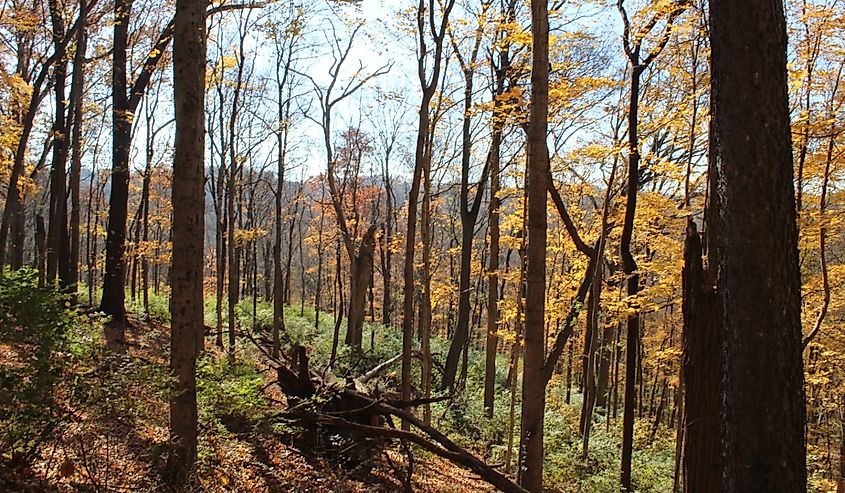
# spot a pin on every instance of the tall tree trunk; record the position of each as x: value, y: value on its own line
x: 57, y: 236
x: 145, y: 226
x: 278, y: 268
x: 629, y: 266
x: 492, y: 339
x: 421, y: 154
x: 757, y: 251
x: 338, y: 314
x: 77, y: 94
x: 516, y: 347
x: 591, y: 387
x: 533, y: 379
x: 817, y: 325
x: 189, y: 55
x: 632, y: 43
x: 112, y: 303
x: 468, y: 211
x: 840, y: 485
x: 387, y: 249
x: 220, y: 232
x: 425, y: 294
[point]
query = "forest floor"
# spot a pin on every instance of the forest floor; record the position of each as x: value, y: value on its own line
x: 106, y: 425
x: 98, y: 420
x: 114, y: 437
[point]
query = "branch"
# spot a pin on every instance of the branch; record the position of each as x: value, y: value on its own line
x: 156, y: 52
x: 626, y: 30
x: 366, y: 377
x: 664, y: 39
x: 567, y: 220
x: 571, y: 318
x: 456, y: 454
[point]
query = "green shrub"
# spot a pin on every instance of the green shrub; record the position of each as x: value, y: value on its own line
x: 34, y: 324
x: 230, y: 394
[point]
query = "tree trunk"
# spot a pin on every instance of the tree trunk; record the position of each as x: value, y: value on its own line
x: 700, y: 372
x: 57, y: 235
x: 468, y: 209
x: 757, y: 251
x: 629, y: 266
x: 232, y: 257
x: 492, y: 339
x: 422, y: 155
x: 840, y: 486
x: 425, y: 295
x: 590, y: 396
x: 387, y: 251
x: 112, y: 303
x: 41, y: 249
x: 533, y: 379
x: 340, y: 306
x: 359, y: 278
x: 189, y: 55
x: 603, y: 377
x: 77, y: 94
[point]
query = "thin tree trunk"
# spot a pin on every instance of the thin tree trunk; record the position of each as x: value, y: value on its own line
x: 77, y: 94
x: 425, y: 302
x: 41, y: 249
x: 421, y: 156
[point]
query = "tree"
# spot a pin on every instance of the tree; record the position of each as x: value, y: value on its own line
x: 360, y: 251
x: 426, y: 26
x: 469, y: 209
x: 533, y: 379
x: 187, y: 329
x: 501, y: 71
x: 13, y: 209
x: 285, y: 38
x: 632, y: 43
x: 58, y: 248
x: 125, y: 101
x: 76, y: 98
x: 762, y: 410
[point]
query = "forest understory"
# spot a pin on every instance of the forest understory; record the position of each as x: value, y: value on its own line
x: 105, y: 425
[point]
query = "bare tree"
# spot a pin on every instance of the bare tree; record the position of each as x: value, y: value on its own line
x: 360, y: 250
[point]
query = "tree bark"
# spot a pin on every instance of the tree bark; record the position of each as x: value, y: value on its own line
x: 77, y: 95
x: 700, y: 372
x: 757, y: 250
x: 533, y: 379
x: 188, y: 225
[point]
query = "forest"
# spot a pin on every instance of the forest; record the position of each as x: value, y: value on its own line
x: 432, y: 245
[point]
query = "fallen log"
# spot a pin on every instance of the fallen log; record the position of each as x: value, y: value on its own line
x: 324, y: 401
x: 458, y: 456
